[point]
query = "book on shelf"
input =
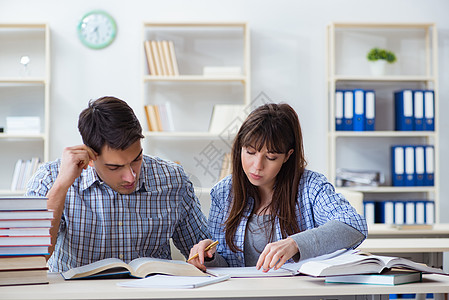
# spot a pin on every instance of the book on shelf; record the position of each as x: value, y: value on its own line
x: 225, y: 115
x: 391, y: 277
x: 167, y: 58
x: 23, y: 171
x: 163, y: 59
x: 150, y: 114
x: 173, y: 282
x: 174, y: 60
x: 23, y: 125
x: 157, y: 58
x: 166, y: 117
x: 159, y: 117
x: 222, y: 71
x: 22, y: 203
x: 139, y: 267
x: 350, y: 178
x: 340, y: 262
x: 150, y: 58
x: 226, y: 166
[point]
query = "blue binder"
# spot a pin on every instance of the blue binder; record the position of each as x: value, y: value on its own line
x: 339, y: 103
x: 370, y: 110
x: 429, y: 165
x: 429, y: 110
x: 409, y: 155
x: 410, y: 213
x: 359, y: 110
x: 403, y: 104
x: 418, y: 110
x: 420, y: 212
x: 420, y: 165
x: 397, y: 165
x: 430, y: 212
x: 348, y: 111
x: 399, y: 212
x: 369, y: 211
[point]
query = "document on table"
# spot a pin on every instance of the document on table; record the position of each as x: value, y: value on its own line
x: 173, y: 282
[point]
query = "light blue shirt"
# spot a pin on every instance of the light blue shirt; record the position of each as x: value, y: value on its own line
x: 97, y: 222
x: 317, y: 204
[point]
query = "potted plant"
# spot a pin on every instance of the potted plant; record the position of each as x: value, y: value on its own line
x: 378, y: 58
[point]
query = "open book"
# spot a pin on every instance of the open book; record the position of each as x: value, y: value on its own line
x: 340, y: 262
x: 139, y: 267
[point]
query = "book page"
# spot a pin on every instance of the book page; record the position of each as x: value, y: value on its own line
x: 114, y: 264
x: 172, y: 282
x: 145, y: 266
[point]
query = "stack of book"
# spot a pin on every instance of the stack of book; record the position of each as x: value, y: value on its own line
x: 24, y: 240
x: 23, y: 171
x: 161, y: 58
x: 159, y: 117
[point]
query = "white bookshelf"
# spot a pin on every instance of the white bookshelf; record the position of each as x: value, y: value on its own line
x: 23, y: 92
x: 415, y: 45
x: 192, y: 95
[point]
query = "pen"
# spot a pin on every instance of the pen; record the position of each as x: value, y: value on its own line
x: 207, y: 248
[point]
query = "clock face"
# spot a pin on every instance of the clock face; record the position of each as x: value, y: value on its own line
x: 97, y: 29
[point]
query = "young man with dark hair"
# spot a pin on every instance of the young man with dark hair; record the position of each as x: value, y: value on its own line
x: 110, y: 200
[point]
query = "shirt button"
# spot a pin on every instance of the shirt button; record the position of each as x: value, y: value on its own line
x: 121, y: 256
x: 120, y: 224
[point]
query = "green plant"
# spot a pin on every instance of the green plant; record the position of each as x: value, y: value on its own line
x: 376, y: 54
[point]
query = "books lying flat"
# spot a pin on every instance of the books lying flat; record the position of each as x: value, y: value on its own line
x: 393, y: 277
x: 22, y: 262
x: 24, y: 203
x: 139, y: 267
x: 23, y: 277
x: 23, y: 250
x: 173, y: 282
x: 25, y: 223
x: 25, y: 240
x: 341, y: 262
x: 26, y: 231
x: 25, y: 214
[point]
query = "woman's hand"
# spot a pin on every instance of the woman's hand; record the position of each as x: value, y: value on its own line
x: 276, y: 254
x: 200, y: 250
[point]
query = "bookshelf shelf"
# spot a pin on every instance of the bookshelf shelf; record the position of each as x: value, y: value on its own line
x: 415, y: 45
x: 200, y: 48
x: 24, y: 92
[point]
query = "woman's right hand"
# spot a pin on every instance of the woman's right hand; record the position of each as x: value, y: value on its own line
x: 200, y: 250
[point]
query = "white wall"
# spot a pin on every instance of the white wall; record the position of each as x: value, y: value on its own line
x: 288, y: 47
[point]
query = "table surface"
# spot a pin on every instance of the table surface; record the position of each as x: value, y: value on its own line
x: 276, y: 287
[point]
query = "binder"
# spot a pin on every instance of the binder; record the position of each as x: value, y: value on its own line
x: 418, y: 110
x: 339, y: 110
x: 389, y: 212
x: 410, y: 212
x: 409, y: 154
x: 397, y: 165
x: 419, y: 166
x: 429, y: 165
x: 368, y: 211
x: 399, y: 213
x: 429, y: 110
x: 348, y: 111
x: 430, y: 212
x: 359, y: 110
x: 420, y: 212
x: 370, y: 110
x: 403, y: 104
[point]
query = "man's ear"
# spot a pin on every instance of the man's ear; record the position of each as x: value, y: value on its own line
x: 290, y: 152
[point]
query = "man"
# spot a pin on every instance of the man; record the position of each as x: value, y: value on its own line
x: 110, y: 200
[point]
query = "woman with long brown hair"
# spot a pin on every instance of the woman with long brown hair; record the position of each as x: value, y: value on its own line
x: 271, y: 208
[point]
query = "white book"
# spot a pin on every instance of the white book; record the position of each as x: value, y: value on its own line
x: 224, y: 115
x: 15, y: 176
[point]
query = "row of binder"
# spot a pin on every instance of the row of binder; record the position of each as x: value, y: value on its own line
x: 412, y: 165
x: 355, y: 110
x: 414, y: 110
x: 399, y: 212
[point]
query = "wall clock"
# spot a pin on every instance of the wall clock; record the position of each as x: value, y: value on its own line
x: 97, y: 29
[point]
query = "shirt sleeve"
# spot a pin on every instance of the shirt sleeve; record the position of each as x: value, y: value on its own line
x: 330, y: 237
x: 192, y: 228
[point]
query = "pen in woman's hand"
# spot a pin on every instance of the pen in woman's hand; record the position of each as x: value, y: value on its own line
x: 206, y: 249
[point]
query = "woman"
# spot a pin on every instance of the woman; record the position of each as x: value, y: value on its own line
x: 271, y: 209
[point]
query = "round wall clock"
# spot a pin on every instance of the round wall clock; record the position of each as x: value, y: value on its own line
x: 97, y: 29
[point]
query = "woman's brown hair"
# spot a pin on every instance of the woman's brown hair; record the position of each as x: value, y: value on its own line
x: 277, y: 127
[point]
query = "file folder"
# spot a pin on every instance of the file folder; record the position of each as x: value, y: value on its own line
x: 397, y: 165
x: 409, y: 212
x: 369, y: 212
x: 348, y: 111
x: 418, y: 110
x: 429, y: 165
x: 430, y: 212
x: 420, y: 212
x: 403, y: 101
x: 399, y: 213
x: 420, y: 165
x: 370, y: 110
x: 409, y: 178
x: 339, y: 110
x: 429, y: 110
x: 359, y: 110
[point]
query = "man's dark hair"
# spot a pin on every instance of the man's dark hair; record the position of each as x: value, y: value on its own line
x: 109, y: 121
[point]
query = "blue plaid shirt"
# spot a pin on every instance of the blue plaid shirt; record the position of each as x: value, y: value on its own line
x: 317, y: 204
x: 97, y: 222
